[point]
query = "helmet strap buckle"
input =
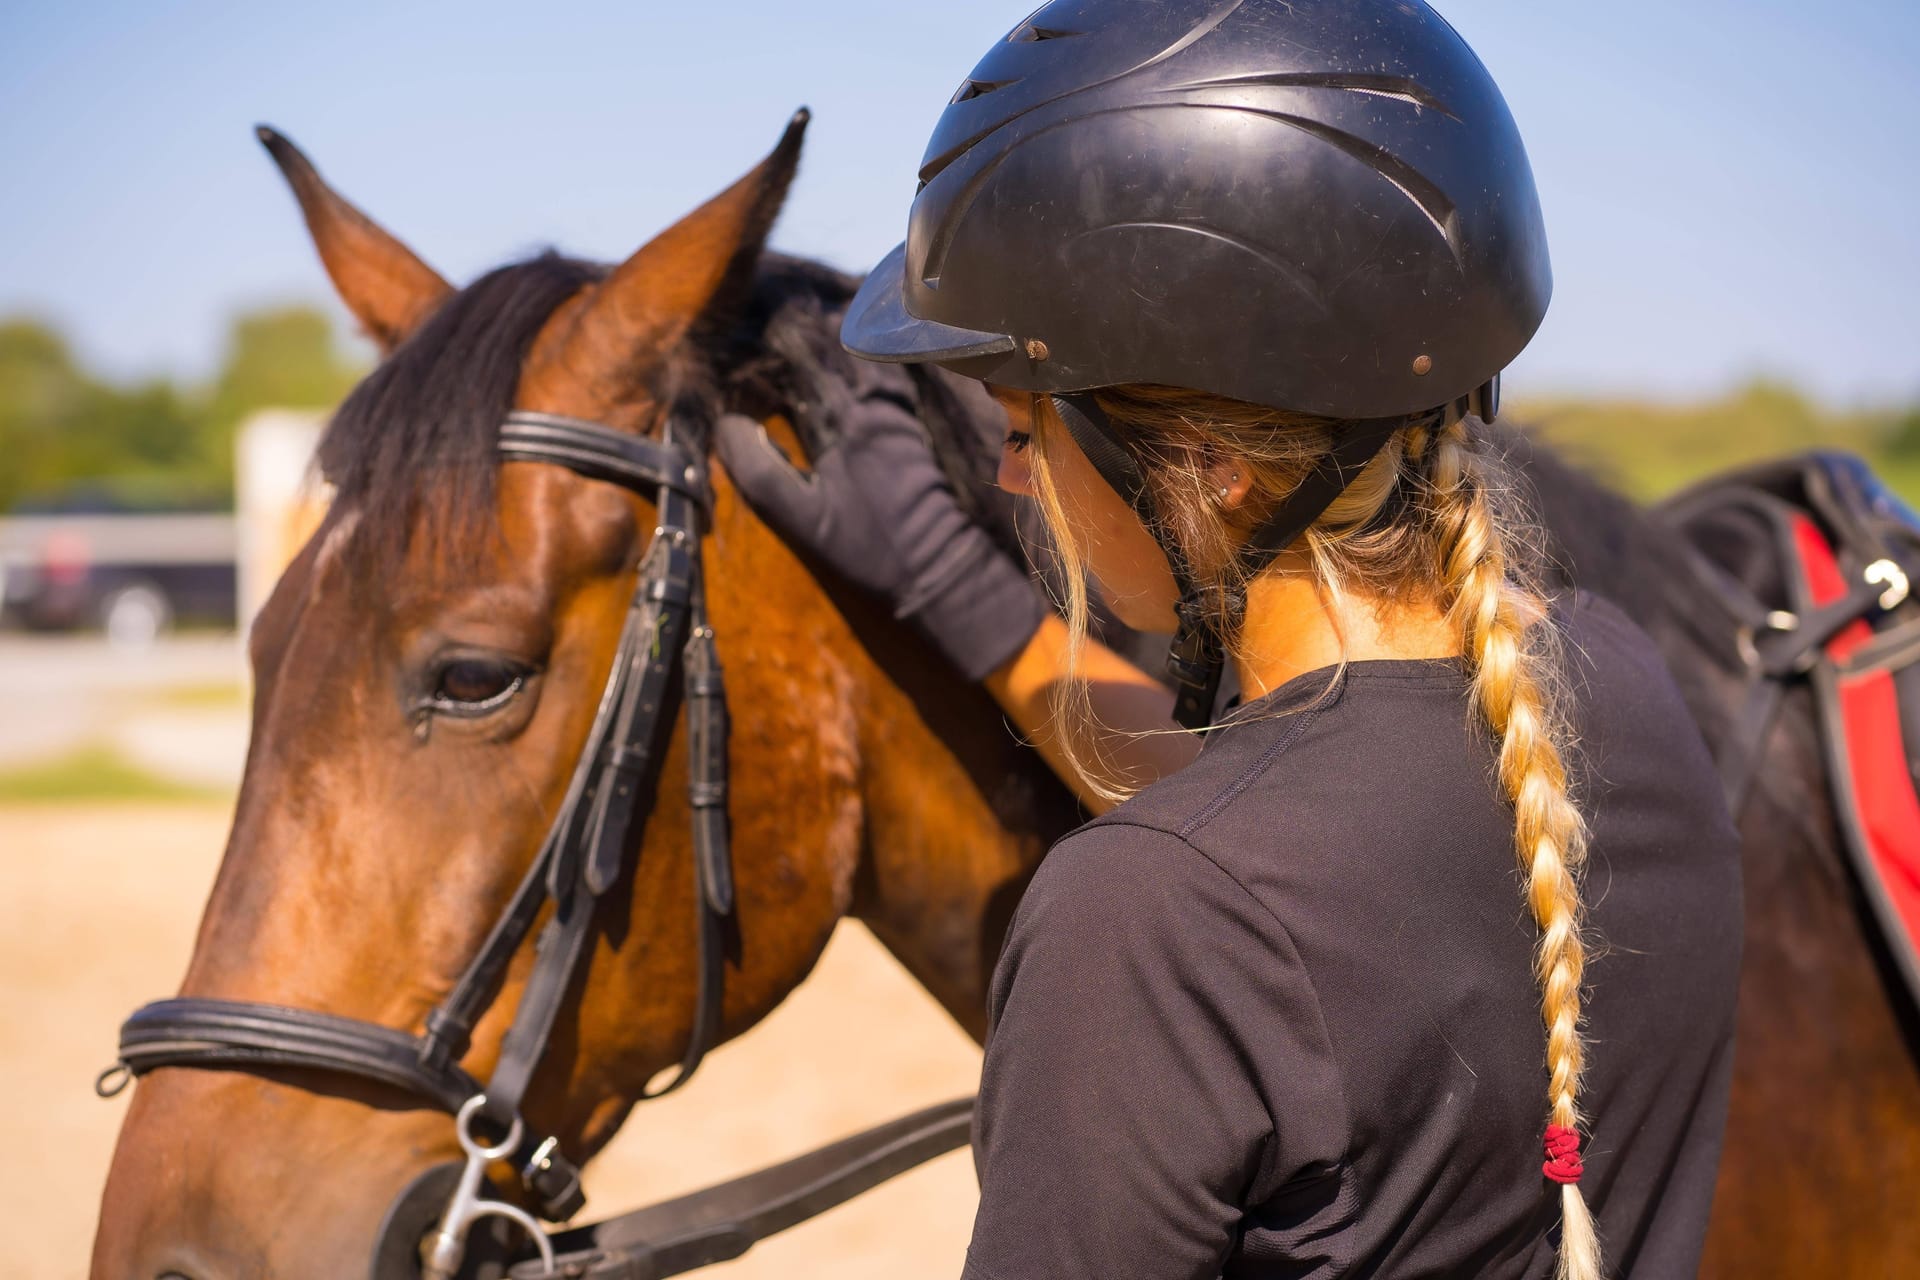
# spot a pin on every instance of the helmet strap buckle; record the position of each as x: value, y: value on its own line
x: 1194, y: 662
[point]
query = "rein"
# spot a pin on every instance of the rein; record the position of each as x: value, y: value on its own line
x: 666, y: 649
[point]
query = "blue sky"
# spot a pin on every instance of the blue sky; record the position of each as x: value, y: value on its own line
x: 1731, y: 188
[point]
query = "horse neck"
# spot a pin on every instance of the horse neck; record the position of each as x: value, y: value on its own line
x: 887, y: 775
x: 958, y: 815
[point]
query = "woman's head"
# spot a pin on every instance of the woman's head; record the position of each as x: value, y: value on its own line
x: 1318, y: 204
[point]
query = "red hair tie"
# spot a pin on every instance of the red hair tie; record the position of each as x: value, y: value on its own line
x: 1563, y: 1155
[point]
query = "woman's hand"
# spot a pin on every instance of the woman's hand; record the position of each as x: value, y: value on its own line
x: 876, y: 508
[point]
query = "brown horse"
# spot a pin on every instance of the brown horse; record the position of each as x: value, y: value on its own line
x: 420, y: 700
x: 425, y: 677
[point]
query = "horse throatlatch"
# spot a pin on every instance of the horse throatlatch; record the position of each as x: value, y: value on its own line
x: 666, y: 648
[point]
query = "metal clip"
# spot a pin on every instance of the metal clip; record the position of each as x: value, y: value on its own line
x: 1888, y: 574
x: 540, y: 1161
x: 1744, y: 638
x: 449, y: 1244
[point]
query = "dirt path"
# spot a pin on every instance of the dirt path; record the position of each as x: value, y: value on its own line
x: 102, y: 904
x: 61, y: 692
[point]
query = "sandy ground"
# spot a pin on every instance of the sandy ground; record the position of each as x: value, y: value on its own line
x: 63, y: 692
x: 101, y: 906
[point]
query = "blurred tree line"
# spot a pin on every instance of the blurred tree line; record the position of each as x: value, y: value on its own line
x: 1649, y: 448
x: 65, y: 431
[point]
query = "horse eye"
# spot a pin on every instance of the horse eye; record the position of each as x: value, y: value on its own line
x: 474, y: 686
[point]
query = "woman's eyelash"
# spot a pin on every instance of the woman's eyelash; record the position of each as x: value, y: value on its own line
x: 1019, y: 440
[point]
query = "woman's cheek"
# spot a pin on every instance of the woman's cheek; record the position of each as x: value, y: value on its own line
x: 1016, y: 472
x: 1132, y: 579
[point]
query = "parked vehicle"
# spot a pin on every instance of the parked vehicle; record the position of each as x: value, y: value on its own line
x: 134, y: 575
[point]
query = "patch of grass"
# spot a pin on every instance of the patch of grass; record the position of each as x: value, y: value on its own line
x: 215, y: 694
x: 93, y: 773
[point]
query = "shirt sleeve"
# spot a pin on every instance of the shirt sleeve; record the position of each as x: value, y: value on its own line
x: 1156, y: 1062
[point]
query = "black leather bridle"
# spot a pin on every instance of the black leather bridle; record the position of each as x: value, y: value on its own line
x: 665, y: 647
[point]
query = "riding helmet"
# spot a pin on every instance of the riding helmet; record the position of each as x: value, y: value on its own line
x: 1316, y: 205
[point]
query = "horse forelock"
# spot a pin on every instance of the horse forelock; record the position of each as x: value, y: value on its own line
x: 412, y: 450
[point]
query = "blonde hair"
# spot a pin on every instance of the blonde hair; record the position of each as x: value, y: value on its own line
x: 1434, y: 519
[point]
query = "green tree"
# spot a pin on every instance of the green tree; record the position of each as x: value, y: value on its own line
x: 1650, y: 448
x: 43, y: 400
x: 62, y: 429
x: 1903, y: 438
x: 281, y: 357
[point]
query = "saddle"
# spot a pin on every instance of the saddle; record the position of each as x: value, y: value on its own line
x: 1811, y: 560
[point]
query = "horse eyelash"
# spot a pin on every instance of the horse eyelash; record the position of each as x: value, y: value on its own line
x: 474, y: 710
x: 1019, y: 440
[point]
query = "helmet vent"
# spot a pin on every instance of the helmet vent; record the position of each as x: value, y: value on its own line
x: 1399, y: 88
x: 1032, y: 33
x: 978, y: 89
x: 1390, y: 93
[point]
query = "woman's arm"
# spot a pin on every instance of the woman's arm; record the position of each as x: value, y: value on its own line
x: 876, y: 506
x: 1140, y: 742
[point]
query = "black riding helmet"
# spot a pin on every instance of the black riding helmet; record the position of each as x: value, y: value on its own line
x: 1317, y: 205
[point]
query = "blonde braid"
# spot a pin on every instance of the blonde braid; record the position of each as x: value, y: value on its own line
x: 1498, y: 612
x: 1461, y: 541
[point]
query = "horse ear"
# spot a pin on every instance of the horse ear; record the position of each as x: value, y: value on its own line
x: 388, y: 289
x: 696, y: 272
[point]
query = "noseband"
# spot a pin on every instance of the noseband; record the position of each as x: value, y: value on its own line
x: 665, y: 646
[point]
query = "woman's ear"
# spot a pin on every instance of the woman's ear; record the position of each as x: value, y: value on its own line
x: 1231, y: 481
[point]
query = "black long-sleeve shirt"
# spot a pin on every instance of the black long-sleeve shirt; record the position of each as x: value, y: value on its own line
x: 1276, y: 1015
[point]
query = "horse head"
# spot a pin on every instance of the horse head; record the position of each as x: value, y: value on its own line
x: 429, y: 671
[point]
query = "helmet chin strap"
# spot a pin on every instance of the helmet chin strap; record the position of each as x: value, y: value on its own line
x: 1198, y: 653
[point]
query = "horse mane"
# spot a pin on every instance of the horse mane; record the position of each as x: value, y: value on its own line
x: 412, y: 449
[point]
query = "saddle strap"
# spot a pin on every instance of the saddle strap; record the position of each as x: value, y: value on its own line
x: 1768, y: 647
x: 1875, y: 798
